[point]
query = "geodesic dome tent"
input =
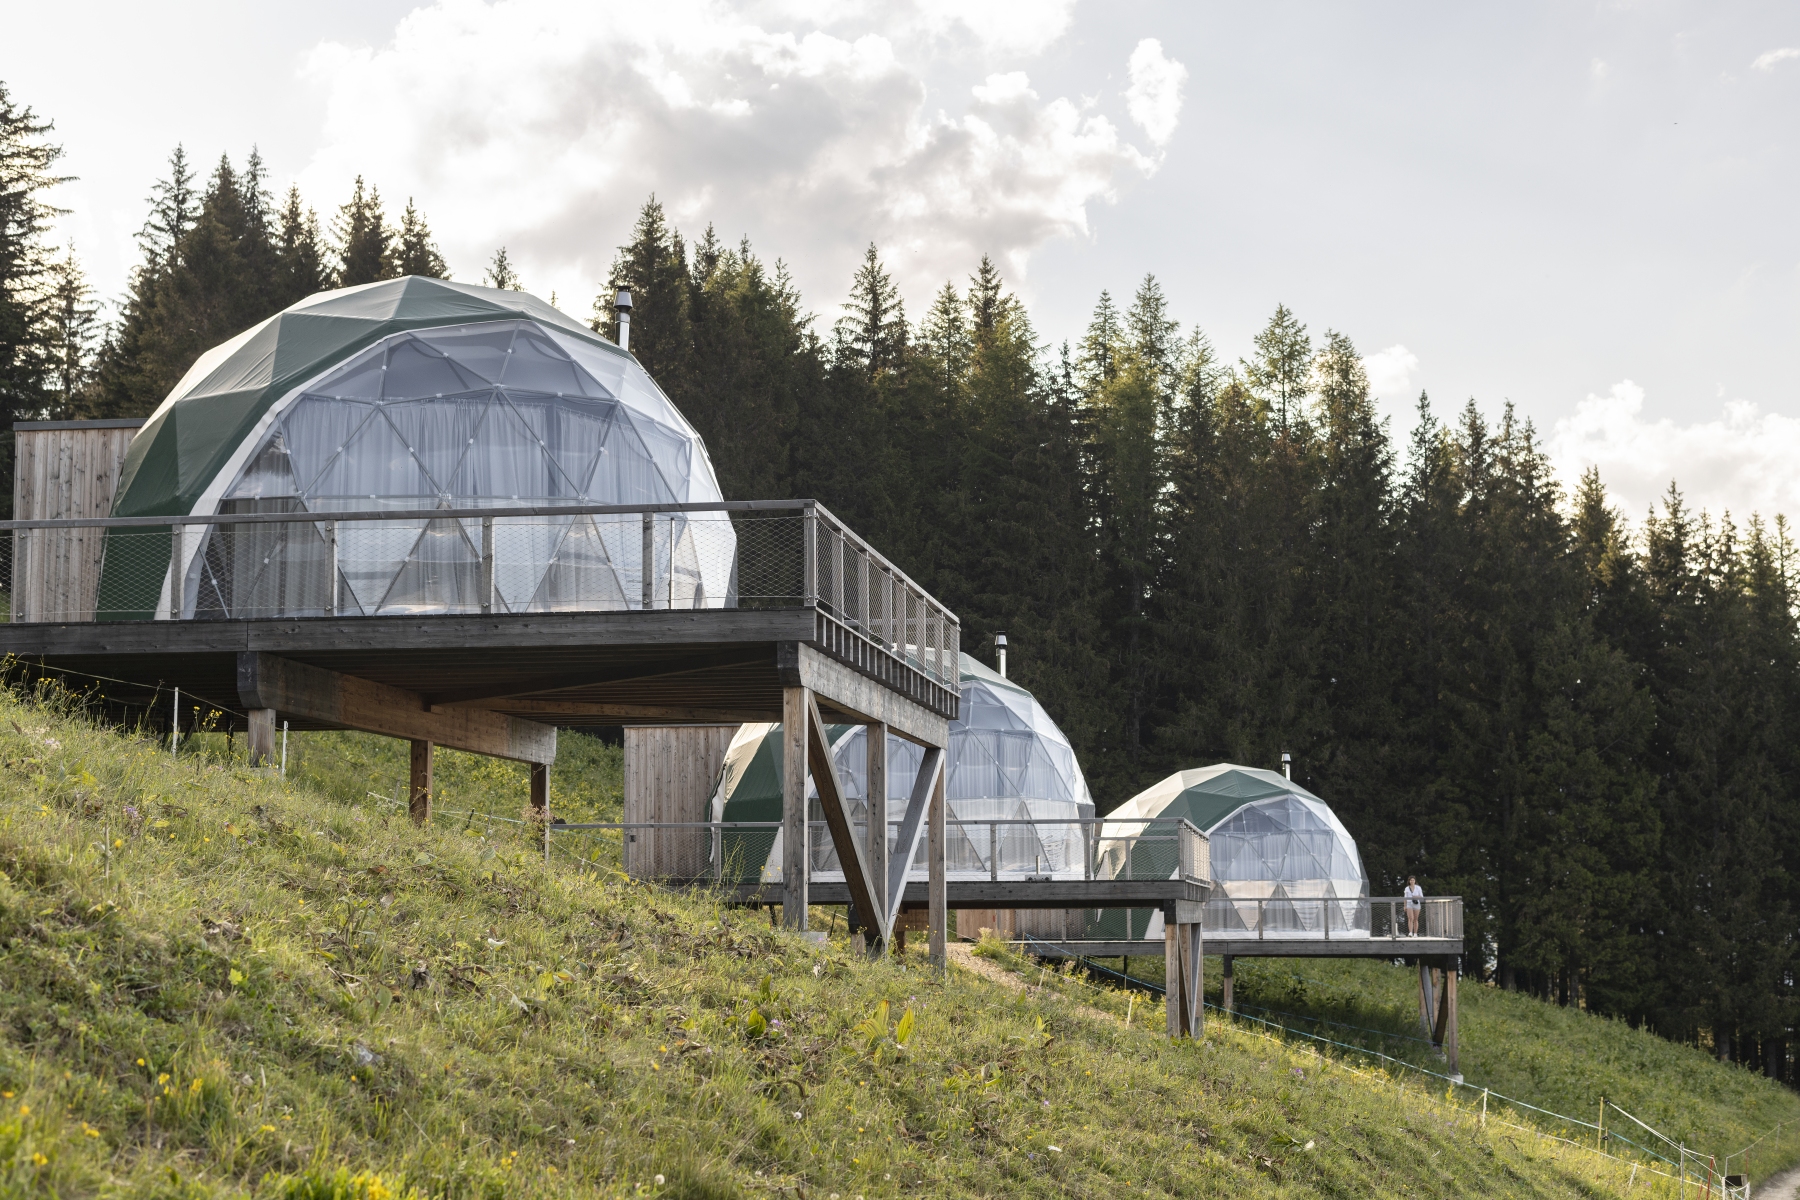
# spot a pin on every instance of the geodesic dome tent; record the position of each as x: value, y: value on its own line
x: 1007, y: 761
x: 1271, y: 839
x: 414, y: 394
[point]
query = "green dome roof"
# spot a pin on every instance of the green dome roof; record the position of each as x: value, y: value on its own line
x: 1207, y: 795
x: 217, y: 404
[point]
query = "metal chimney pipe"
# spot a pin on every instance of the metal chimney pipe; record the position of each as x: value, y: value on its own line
x: 1287, y: 765
x: 1000, y: 652
x: 622, y: 306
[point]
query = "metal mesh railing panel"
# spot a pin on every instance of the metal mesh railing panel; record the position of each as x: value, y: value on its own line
x: 466, y: 562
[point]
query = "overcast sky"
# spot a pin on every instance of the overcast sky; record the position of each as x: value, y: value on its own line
x: 1589, y: 210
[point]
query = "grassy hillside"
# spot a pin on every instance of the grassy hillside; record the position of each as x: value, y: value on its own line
x: 218, y: 982
x: 1559, y: 1059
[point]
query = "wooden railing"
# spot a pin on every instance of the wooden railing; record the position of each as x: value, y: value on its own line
x: 488, y: 560
x: 1365, y: 917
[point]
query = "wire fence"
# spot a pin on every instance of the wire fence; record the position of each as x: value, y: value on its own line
x: 1709, y: 1172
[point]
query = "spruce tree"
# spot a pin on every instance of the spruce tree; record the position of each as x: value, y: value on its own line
x: 364, y: 242
x: 500, y: 273
x: 871, y: 335
x: 301, y: 258
x: 414, y: 251
x: 1281, y: 370
x: 27, y: 273
x: 74, y: 333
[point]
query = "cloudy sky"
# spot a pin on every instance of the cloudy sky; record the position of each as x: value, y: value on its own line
x: 1586, y: 209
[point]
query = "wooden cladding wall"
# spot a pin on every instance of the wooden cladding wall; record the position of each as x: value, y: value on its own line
x: 671, y: 772
x: 64, y: 469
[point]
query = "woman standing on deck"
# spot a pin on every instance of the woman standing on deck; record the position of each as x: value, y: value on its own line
x: 1415, y: 900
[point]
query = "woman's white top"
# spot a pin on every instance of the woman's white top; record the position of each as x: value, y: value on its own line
x: 1415, y: 895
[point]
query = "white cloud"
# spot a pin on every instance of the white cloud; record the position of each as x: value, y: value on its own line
x: 1154, y: 97
x: 542, y: 125
x: 1741, y: 462
x: 1769, y: 61
x: 1390, y: 372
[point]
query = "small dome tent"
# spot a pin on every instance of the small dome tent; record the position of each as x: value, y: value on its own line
x: 415, y: 394
x: 1271, y: 839
x: 1007, y: 761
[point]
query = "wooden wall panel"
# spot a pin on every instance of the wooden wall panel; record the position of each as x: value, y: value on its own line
x: 671, y: 772
x: 64, y: 469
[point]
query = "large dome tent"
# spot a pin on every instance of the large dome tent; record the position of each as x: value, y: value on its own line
x: 1007, y: 760
x: 1270, y: 840
x: 413, y: 393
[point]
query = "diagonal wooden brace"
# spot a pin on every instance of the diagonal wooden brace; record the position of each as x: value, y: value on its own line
x: 912, y: 829
x: 864, y: 890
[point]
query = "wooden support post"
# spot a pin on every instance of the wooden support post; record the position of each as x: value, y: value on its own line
x: 1450, y: 1029
x: 795, y: 858
x: 1172, y: 1007
x: 1225, y: 981
x: 938, y: 916
x: 261, y: 737
x: 419, y: 786
x: 1440, y: 983
x: 877, y: 834
x: 1427, y: 1002
x: 540, y: 791
x: 1193, y: 980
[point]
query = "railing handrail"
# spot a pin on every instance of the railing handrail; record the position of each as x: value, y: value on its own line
x: 801, y: 507
x: 409, y: 514
x: 1325, y: 899
x: 892, y: 822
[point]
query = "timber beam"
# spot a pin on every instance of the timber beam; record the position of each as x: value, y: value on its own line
x: 313, y: 694
x: 862, y: 699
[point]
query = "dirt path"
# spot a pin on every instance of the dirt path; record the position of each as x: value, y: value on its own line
x: 1785, y: 1186
x: 963, y: 956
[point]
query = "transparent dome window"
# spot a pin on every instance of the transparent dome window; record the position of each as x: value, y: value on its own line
x: 498, y: 414
x: 1008, y: 761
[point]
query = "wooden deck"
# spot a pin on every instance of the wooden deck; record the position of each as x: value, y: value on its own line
x: 701, y: 666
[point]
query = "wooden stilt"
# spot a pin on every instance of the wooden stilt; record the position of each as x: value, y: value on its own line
x: 938, y: 915
x: 1172, y: 1006
x: 1450, y: 1038
x: 1193, y: 981
x: 1441, y: 978
x: 418, y: 801
x: 877, y: 831
x: 540, y: 791
x: 1225, y: 980
x: 795, y: 858
x: 260, y: 741
x: 1427, y: 1002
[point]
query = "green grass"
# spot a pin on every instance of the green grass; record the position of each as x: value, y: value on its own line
x: 218, y: 982
x: 1561, y: 1059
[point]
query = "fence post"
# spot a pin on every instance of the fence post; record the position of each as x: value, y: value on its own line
x: 331, y: 588
x: 177, y: 571
x: 809, y: 556
x: 648, y: 600
x: 487, y: 565
x: 993, y: 851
